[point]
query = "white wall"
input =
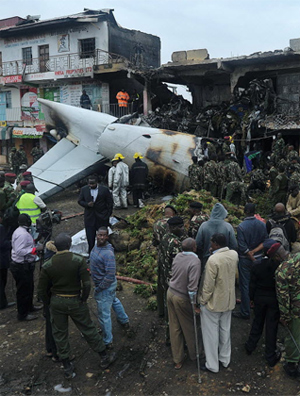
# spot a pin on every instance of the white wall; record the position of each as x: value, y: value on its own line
x: 11, y: 48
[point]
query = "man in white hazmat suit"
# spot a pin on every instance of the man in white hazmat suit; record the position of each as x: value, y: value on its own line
x: 111, y: 174
x: 120, y: 182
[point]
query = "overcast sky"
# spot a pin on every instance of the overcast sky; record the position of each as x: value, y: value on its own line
x: 224, y: 27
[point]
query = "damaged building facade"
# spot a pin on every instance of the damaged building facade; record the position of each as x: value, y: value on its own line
x: 251, y: 96
x: 56, y: 59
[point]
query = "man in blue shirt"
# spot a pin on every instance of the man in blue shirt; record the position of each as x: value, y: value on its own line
x: 251, y: 233
x: 103, y: 271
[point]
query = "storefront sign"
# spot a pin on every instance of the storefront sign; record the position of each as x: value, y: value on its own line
x: 26, y: 133
x: 12, y: 79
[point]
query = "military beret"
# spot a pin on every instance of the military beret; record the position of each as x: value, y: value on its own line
x: 175, y: 220
x: 273, y: 249
x: 25, y: 183
x: 196, y: 205
x: 10, y: 175
x: 26, y: 173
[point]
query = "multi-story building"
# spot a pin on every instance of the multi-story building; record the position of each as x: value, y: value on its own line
x: 57, y: 59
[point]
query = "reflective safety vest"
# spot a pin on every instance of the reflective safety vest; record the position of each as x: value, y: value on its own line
x: 123, y: 98
x: 26, y: 205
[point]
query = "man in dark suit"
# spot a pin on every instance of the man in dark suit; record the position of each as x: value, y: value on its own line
x: 98, y: 205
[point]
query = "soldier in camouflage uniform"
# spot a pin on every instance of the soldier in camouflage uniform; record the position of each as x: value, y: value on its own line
x: 294, y: 177
x: 258, y: 180
x: 292, y: 153
x: 196, y: 219
x: 160, y: 229
x: 9, y: 190
x: 14, y: 160
x: 170, y: 246
x: 279, y: 190
x: 288, y: 295
x: 22, y: 155
x: 211, y: 176
x: 278, y: 149
x: 36, y: 152
x: 235, y: 187
x: 194, y: 172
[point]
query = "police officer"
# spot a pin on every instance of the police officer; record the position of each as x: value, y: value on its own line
x: 67, y: 275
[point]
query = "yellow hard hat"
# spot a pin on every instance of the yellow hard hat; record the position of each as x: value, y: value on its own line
x: 137, y: 155
x: 118, y: 156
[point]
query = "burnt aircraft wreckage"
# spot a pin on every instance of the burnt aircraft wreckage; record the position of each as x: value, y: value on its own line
x: 89, y: 138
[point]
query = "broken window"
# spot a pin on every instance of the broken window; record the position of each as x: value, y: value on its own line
x: 27, y: 55
x: 87, y: 47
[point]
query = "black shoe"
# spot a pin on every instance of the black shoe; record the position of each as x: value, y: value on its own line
x: 109, y: 346
x: 248, y: 351
x: 237, y: 314
x: 68, y: 369
x: 273, y: 362
x: 291, y: 369
x: 36, y: 308
x: 204, y: 368
x: 28, y: 318
x: 8, y: 305
x: 107, y: 360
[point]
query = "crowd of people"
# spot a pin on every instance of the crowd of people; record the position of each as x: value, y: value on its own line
x: 219, y: 172
x: 196, y: 264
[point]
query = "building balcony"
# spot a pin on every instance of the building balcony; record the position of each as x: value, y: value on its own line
x: 71, y: 65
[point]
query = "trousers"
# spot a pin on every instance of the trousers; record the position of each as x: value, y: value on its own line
x: 119, y: 196
x: 291, y: 351
x: 23, y: 276
x: 266, y: 313
x: 61, y: 308
x: 216, y: 337
x: 3, y: 281
x: 181, y: 325
x: 106, y: 300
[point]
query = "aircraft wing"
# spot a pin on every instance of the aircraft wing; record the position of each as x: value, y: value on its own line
x: 62, y: 166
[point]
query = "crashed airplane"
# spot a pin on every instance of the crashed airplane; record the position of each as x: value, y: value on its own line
x: 89, y: 138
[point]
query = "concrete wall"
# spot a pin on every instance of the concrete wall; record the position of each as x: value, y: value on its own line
x: 123, y: 41
x: 288, y: 88
x: 11, y: 48
x: 213, y: 93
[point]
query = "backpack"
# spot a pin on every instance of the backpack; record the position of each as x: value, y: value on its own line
x: 278, y: 233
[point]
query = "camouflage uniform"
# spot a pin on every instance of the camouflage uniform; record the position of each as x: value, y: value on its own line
x: 234, y: 183
x: 23, y: 157
x: 279, y: 191
x: 257, y: 180
x: 195, y: 176
x: 14, y: 160
x: 36, y: 153
x: 211, y: 177
x: 2, y: 199
x: 294, y: 179
x: 278, y: 150
x: 160, y: 229
x: 10, y: 194
x: 288, y: 295
x: 194, y: 224
x: 221, y: 178
x: 211, y: 149
x: 292, y: 154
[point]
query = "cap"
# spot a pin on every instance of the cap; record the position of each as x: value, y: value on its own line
x: 273, y: 249
x: 175, y: 220
x: 25, y: 183
x: 196, y: 205
x: 137, y: 155
x: 26, y: 173
x: 10, y: 175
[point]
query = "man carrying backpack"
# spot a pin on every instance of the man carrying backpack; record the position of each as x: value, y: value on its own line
x: 281, y: 227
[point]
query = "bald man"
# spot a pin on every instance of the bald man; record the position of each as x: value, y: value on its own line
x: 281, y: 217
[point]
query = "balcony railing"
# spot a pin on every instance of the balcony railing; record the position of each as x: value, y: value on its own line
x: 60, y: 63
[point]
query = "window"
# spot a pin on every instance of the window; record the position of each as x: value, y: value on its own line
x: 8, y: 99
x: 87, y: 48
x: 27, y: 55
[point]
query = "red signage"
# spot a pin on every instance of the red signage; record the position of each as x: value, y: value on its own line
x: 12, y: 79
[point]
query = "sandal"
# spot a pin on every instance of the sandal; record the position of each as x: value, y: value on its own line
x: 178, y: 366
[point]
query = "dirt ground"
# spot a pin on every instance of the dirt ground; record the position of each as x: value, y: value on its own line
x: 144, y: 364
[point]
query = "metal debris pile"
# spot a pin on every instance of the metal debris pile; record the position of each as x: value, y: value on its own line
x: 244, y: 113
